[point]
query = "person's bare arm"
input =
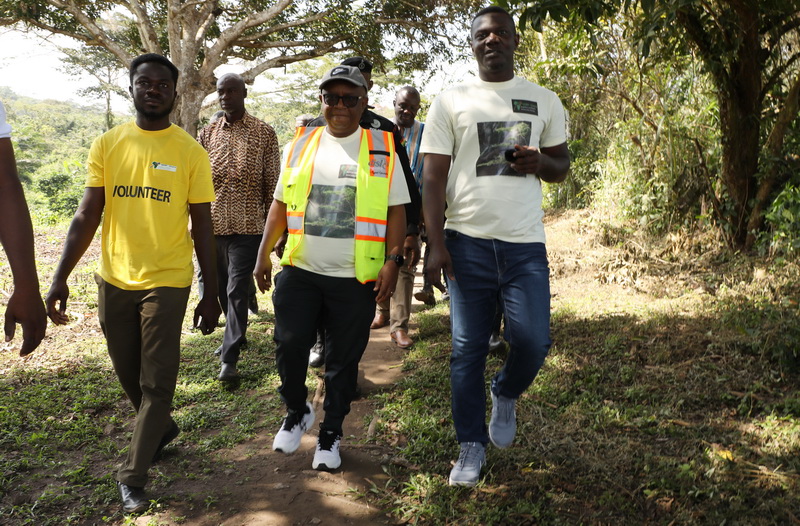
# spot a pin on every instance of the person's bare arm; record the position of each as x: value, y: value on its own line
x: 434, y: 185
x: 273, y: 231
x: 207, y: 312
x: 549, y: 164
x: 81, y: 232
x: 395, y: 236
x: 25, y: 305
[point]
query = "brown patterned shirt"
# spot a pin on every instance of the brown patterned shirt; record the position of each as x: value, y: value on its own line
x: 245, y: 163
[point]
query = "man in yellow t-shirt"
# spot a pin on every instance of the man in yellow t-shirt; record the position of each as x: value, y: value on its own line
x: 150, y: 177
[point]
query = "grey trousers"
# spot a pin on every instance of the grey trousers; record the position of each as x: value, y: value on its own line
x: 236, y: 259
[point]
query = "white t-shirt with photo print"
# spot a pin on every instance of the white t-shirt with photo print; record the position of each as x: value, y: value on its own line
x: 475, y: 123
x: 329, y: 242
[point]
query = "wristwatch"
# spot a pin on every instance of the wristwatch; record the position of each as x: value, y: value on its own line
x: 396, y: 258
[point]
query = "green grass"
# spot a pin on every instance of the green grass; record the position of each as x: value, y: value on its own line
x: 65, y: 422
x: 684, y: 411
x: 682, y: 408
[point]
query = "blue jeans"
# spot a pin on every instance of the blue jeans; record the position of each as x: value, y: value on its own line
x: 488, y: 271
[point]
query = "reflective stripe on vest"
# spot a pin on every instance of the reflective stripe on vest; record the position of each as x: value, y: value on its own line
x: 297, y: 185
x: 370, y: 229
x: 376, y: 160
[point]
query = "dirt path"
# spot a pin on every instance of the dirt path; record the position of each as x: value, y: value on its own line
x: 257, y: 486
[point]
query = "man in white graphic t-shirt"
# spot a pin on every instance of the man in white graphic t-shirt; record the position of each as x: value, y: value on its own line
x: 488, y: 145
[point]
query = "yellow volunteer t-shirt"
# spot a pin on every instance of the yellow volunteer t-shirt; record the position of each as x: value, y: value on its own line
x: 150, y: 178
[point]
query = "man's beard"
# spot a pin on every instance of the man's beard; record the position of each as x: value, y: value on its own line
x: 153, y: 115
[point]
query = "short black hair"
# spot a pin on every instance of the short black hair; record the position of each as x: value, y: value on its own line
x: 154, y: 57
x: 492, y: 9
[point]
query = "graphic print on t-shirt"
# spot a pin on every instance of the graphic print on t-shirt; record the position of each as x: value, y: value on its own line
x: 331, y: 211
x: 494, y: 138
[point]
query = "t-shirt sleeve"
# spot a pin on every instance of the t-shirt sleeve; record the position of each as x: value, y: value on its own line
x: 438, y: 137
x: 555, y: 130
x: 201, y: 188
x: 94, y: 164
x: 5, y: 127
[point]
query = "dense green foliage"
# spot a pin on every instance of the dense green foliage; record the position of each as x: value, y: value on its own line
x: 51, y: 142
x: 643, y: 133
x: 738, y: 62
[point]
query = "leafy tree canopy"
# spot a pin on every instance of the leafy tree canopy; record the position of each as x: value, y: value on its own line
x: 751, y: 51
x: 201, y: 36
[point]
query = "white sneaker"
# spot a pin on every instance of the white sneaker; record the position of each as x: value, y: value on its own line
x: 294, y: 425
x: 468, y: 466
x: 327, y: 458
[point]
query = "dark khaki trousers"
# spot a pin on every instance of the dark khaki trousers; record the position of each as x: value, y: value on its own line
x: 399, y: 308
x: 143, y: 334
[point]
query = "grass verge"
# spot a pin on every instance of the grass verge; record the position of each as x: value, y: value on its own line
x: 662, y: 402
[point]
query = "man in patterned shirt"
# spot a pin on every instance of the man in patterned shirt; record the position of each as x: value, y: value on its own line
x: 245, y: 162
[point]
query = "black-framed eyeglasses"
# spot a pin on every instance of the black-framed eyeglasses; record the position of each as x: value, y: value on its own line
x: 349, y: 101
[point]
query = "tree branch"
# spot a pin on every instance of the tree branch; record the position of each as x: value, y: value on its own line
x: 99, y: 36
x: 145, y: 27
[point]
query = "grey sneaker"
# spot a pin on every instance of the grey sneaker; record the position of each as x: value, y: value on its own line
x: 468, y: 466
x: 294, y: 425
x: 503, y: 425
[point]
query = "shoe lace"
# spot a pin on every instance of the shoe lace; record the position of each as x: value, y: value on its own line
x: 470, y: 454
x: 505, y: 409
x: 327, y: 439
x: 293, y: 418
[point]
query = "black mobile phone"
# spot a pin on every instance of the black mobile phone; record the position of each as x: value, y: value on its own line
x: 509, y: 155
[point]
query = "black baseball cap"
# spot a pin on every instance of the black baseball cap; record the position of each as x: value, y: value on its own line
x: 346, y: 73
x: 358, y: 62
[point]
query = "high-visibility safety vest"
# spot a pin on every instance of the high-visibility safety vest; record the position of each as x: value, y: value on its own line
x: 376, y: 158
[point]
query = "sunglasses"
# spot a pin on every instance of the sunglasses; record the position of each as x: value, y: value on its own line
x: 349, y: 101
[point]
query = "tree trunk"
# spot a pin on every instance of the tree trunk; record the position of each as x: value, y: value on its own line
x: 773, y: 149
x: 192, y: 90
x: 740, y: 142
x: 739, y: 91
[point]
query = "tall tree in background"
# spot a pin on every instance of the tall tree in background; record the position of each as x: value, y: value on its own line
x: 104, y: 67
x: 750, y: 49
x: 201, y: 36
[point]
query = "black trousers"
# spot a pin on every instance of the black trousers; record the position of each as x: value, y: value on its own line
x: 345, y: 307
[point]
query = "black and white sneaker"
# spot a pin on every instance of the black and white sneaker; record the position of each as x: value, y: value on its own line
x: 316, y: 358
x: 326, y: 457
x: 294, y: 425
